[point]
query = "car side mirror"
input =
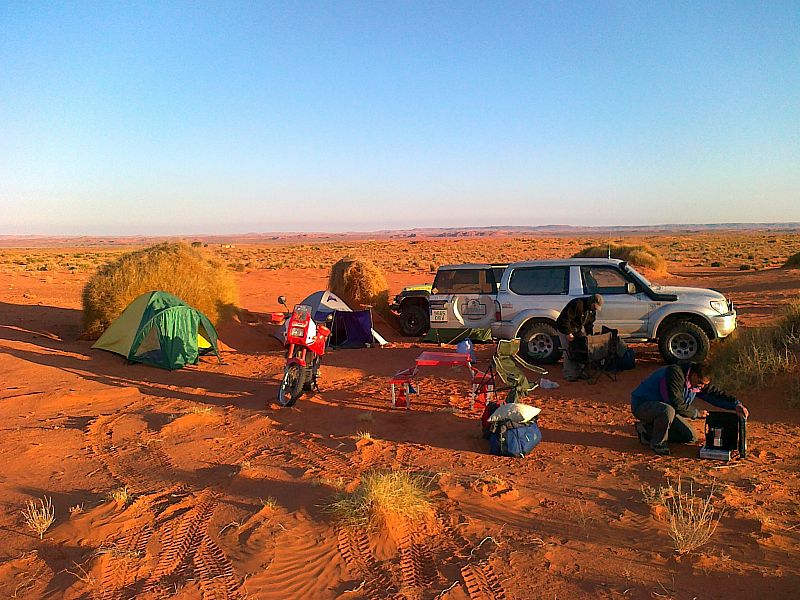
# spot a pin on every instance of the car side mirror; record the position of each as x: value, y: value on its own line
x: 282, y: 300
x: 631, y: 288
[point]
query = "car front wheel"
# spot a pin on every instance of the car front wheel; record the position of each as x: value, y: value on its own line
x: 683, y: 342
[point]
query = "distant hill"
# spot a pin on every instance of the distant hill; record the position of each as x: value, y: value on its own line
x: 39, y: 241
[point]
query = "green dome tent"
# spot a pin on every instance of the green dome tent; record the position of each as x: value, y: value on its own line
x: 159, y: 329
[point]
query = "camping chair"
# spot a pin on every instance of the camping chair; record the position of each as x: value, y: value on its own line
x: 503, y: 373
x: 595, y: 354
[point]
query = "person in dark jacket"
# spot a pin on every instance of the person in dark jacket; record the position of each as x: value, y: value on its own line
x: 663, y: 405
x: 575, y: 320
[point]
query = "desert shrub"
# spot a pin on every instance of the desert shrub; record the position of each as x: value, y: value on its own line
x: 751, y: 357
x: 383, y: 498
x: 716, y: 263
x: 176, y: 268
x: 745, y: 267
x: 789, y: 325
x: 640, y: 255
x: 359, y: 282
x: 793, y: 262
x: 692, y: 519
x: 39, y: 517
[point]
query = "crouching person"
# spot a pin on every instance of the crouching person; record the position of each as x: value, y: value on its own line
x: 575, y: 320
x: 663, y: 405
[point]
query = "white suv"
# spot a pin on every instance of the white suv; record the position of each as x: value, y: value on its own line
x: 682, y: 320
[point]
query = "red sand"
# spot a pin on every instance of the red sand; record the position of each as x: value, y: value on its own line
x: 201, y: 448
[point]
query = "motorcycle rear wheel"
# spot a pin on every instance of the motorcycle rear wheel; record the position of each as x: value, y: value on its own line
x: 291, y: 386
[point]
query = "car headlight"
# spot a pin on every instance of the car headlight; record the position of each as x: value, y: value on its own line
x: 720, y: 306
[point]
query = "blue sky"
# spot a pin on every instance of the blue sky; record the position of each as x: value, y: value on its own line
x: 179, y: 118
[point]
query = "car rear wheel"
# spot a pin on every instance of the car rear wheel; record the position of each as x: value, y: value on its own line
x: 682, y: 342
x: 414, y: 320
x: 539, y: 343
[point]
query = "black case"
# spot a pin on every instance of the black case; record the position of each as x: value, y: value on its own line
x: 733, y: 435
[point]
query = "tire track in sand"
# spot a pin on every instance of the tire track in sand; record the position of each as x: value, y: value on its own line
x: 119, y: 564
x: 120, y: 558
x: 329, y: 462
x: 482, y: 582
x: 141, y: 466
x: 354, y: 548
x: 183, y: 539
x: 215, y: 572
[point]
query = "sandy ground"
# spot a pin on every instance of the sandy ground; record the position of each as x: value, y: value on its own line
x: 200, y: 449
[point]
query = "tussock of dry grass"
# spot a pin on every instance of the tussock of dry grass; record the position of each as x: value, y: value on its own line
x: 750, y: 358
x: 641, y: 255
x: 39, y: 517
x: 119, y: 495
x: 383, y: 498
x: 176, y: 268
x: 692, y: 519
x: 753, y: 357
x: 359, y: 283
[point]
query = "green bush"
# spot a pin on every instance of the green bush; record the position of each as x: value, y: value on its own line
x: 640, y: 255
x: 176, y: 268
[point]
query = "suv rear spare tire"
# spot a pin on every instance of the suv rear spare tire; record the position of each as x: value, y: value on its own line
x: 683, y: 341
x: 413, y: 320
x: 539, y: 343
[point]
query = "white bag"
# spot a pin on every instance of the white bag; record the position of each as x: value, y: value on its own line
x: 516, y: 412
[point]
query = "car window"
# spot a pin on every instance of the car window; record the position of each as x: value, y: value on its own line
x: 498, y: 271
x: 603, y: 280
x: 540, y: 280
x: 464, y: 281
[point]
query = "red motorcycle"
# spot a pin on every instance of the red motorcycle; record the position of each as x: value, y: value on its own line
x: 305, y: 344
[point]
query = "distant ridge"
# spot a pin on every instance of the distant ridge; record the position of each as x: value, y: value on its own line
x: 17, y: 241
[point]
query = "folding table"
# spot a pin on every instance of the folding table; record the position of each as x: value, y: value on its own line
x: 405, y: 378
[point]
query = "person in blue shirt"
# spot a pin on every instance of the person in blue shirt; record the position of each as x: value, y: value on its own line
x: 662, y: 404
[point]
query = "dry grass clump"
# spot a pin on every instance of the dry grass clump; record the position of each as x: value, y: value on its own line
x: 39, y: 517
x: 383, y: 498
x: 176, y: 268
x: 641, y: 255
x: 793, y: 262
x: 789, y: 325
x: 752, y: 357
x: 119, y: 495
x: 692, y: 519
x: 359, y: 283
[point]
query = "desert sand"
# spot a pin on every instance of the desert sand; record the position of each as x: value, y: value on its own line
x: 227, y: 490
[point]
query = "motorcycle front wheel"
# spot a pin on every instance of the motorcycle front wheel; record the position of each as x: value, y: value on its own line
x: 291, y: 386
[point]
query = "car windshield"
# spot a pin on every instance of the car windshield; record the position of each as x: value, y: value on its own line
x: 638, y: 276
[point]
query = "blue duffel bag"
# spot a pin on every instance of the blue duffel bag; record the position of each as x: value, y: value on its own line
x: 507, y: 438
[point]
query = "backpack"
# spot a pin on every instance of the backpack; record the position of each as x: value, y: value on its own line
x: 626, y: 362
x: 507, y: 438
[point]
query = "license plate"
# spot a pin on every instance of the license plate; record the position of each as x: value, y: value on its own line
x: 438, y: 316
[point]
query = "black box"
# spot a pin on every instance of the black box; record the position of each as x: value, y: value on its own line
x: 725, y: 432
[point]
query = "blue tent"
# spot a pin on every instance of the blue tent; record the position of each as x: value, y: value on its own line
x: 349, y: 328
